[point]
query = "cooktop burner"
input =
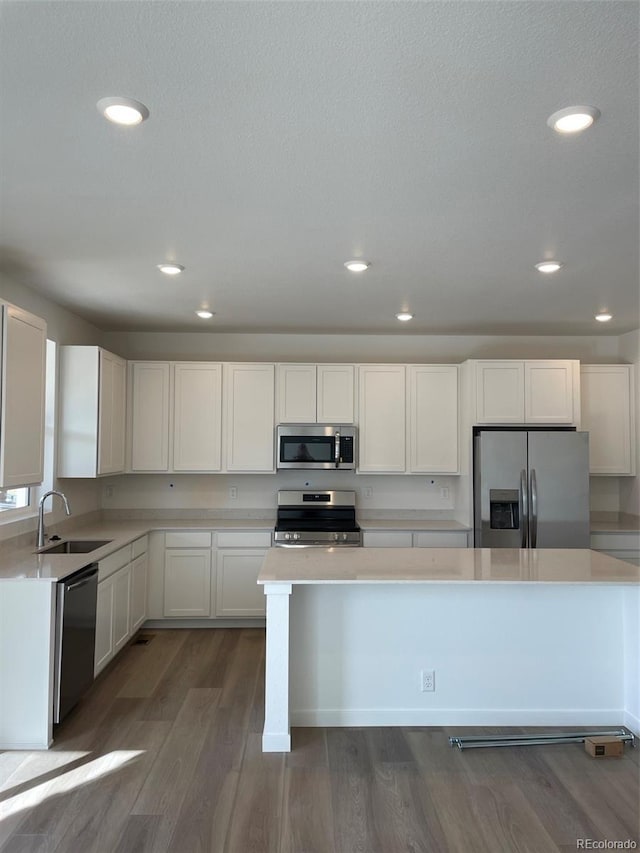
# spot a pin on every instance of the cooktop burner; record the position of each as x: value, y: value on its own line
x: 322, y: 518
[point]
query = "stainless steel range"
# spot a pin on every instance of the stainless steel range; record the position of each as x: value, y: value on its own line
x: 317, y: 518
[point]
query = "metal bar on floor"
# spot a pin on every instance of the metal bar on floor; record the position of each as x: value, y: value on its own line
x: 477, y: 741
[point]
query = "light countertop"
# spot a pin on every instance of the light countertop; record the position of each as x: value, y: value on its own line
x: 448, y: 565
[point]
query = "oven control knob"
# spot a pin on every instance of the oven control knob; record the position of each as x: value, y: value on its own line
x: 287, y: 536
x: 344, y: 537
x: 296, y: 535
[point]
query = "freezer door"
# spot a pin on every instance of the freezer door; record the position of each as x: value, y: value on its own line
x: 559, y: 489
x: 500, y: 506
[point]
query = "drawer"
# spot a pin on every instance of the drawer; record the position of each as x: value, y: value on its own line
x: 244, y: 539
x: 113, y: 562
x: 387, y: 539
x: 615, y: 541
x: 441, y: 539
x: 139, y: 546
x: 188, y: 539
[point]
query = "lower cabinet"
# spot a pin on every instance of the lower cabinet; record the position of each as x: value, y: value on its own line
x: 624, y: 546
x: 419, y: 539
x: 121, y: 600
x: 238, y: 593
x: 187, y: 582
x: 191, y: 578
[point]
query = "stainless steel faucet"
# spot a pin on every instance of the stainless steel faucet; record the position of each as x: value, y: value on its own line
x: 41, y: 530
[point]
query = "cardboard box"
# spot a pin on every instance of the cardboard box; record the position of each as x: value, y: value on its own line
x: 604, y: 747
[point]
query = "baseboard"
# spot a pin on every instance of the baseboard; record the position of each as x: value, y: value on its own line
x: 203, y: 623
x: 459, y: 717
x: 276, y: 742
x: 632, y: 723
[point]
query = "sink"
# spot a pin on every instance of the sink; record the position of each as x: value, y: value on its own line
x: 75, y: 546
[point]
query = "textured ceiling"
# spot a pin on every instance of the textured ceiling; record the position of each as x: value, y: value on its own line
x: 285, y: 138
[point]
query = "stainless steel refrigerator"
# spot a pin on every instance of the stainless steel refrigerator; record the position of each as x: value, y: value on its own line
x: 531, y: 488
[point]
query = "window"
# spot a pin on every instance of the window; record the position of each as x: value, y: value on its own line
x: 13, y: 499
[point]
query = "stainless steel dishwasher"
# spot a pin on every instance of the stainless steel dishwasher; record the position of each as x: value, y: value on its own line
x: 75, y: 638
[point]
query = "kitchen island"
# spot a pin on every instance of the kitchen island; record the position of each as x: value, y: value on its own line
x: 512, y: 637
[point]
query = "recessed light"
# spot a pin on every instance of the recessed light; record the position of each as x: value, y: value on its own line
x: 205, y: 315
x: 123, y: 110
x: 603, y: 316
x: 357, y: 266
x: 548, y: 266
x: 573, y: 119
x: 171, y: 269
x: 404, y: 316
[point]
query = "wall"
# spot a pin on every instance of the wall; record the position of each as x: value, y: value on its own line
x: 210, y: 346
x: 63, y: 327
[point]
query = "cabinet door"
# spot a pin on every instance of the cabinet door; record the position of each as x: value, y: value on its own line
x: 387, y: 538
x: 22, y: 402
x: 238, y: 591
x: 335, y: 393
x: 548, y: 392
x: 187, y: 582
x: 296, y: 393
x: 500, y: 392
x: 111, y: 413
x: 150, y: 416
x: 138, y: 592
x: 382, y: 418
x: 248, y: 417
x: 433, y: 418
x: 121, y: 608
x: 606, y: 397
x: 197, y: 425
x: 104, y: 624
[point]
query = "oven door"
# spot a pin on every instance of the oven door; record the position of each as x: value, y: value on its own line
x: 311, y: 447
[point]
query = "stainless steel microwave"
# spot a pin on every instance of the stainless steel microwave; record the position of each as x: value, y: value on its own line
x: 315, y: 446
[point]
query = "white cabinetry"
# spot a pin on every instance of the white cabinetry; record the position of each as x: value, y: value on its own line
x: 526, y: 392
x: 433, y: 418
x: 92, y: 412
x: 187, y: 574
x: 309, y: 393
x: 249, y: 417
x: 415, y: 539
x: 608, y: 409
x: 22, y: 388
x: 238, y: 592
x: 381, y: 416
x: 197, y: 413
x: 121, y: 602
x: 139, y: 571
x: 176, y: 416
x: 149, y: 415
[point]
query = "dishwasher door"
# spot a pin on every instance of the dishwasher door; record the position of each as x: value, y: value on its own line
x: 75, y: 639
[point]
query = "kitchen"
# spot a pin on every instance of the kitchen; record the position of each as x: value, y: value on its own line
x: 389, y: 491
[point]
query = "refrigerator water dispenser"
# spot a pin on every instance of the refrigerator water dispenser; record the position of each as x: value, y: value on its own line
x: 503, y: 509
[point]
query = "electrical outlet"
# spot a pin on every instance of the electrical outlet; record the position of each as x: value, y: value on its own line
x: 428, y: 680
x: 368, y: 492
x: 444, y: 493
x: 108, y: 492
x: 233, y: 493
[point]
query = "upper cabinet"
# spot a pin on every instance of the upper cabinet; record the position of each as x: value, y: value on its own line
x: 24, y: 341
x: 149, y: 415
x: 92, y: 412
x: 309, y: 393
x: 432, y: 396
x: 176, y: 416
x: 249, y: 408
x: 608, y: 413
x: 382, y: 418
x: 412, y: 408
x: 526, y: 392
x: 197, y: 416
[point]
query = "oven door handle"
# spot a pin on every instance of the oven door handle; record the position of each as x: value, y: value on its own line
x: 337, y: 449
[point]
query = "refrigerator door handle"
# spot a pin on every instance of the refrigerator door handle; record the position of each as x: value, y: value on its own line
x: 534, y: 508
x: 524, y: 508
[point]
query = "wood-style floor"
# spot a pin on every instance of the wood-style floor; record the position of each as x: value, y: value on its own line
x: 164, y: 754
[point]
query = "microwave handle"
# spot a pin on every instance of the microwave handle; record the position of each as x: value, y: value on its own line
x: 337, y: 449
